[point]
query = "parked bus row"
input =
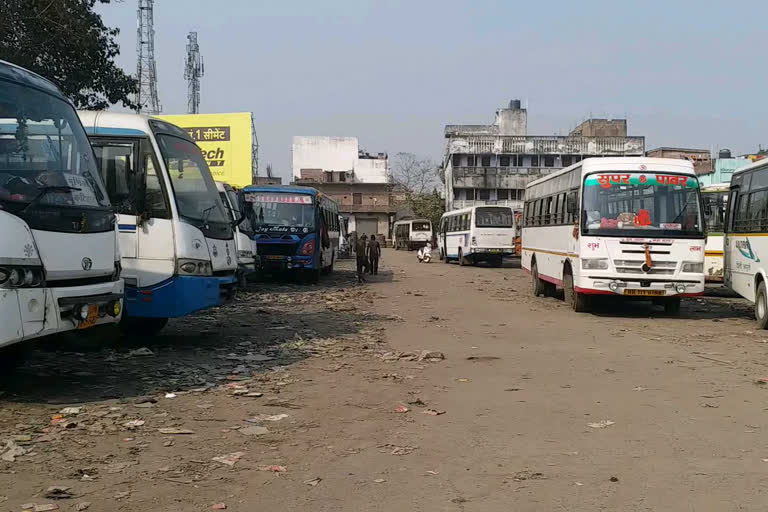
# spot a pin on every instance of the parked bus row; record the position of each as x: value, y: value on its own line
x: 114, y: 218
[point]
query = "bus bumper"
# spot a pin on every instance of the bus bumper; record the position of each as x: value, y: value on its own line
x: 175, y: 297
x: 275, y: 263
x: 642, y: 288
x: 35, y: 312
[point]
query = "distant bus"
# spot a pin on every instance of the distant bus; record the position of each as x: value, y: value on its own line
x: 477, y: 233
x: 296, y: 228
x: 246, y: 247
x: 629, y: 227
x: 715, y: 199
x: 412, y: 233
x: 746, y: 237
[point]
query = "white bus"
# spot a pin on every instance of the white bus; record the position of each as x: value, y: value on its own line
x: 176, y: 240
x: 59, y: 258
x: 244, y: 234
x: 715, y: 199
x: 477, y: 233
x: 746, y: 237
x: 412, y: 233
x: 616, y: 226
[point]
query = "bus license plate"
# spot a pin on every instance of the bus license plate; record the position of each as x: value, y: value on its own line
x: 274, y: 257
x: 90, y: 320
x: 494, y: 250
x: 646, y: 293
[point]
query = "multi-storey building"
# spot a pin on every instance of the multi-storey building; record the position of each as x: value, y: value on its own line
x: 492, y: 164
x: 359, y: 181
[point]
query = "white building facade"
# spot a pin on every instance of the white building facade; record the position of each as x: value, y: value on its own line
x: 492, y: 164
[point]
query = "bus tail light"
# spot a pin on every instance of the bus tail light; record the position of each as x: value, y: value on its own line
x: 474, y: 241
x: 308, y: 249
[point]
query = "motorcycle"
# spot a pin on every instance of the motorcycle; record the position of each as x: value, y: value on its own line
x: 425, y: 253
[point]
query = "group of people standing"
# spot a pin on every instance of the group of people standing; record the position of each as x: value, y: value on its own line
x: 368, y: 254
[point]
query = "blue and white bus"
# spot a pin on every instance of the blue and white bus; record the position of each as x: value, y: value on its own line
x: 176, y: 240
x: 296, y: 228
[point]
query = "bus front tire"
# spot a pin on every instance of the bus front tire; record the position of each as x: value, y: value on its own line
x: 578, y: 301
x: 672, y: 306
x: 761, y: 306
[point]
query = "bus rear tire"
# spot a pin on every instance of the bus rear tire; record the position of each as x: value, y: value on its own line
x: 761, y: 306
x: 672, y: 306
x: 538, y: 284
x: 578, y: 301
x: 497, y: 261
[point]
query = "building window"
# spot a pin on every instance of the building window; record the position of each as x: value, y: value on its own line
x: 470, y: 194
x: 502, y: 194
x: 484, y: 194
x: 456, y: 160
x: 567, y: 160
x: 534, y: 160
x: 504, y: 161
x: 456, y: 193
x: 486, y: 160
x: 517, y: 160
x: 357, y: 198
x: 471, y: 161
x: 342, y: 176
x: 549, y: 161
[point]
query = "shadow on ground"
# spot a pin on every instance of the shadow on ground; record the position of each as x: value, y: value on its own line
x: 253, y: 334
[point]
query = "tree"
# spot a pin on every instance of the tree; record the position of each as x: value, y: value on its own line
x: 418, y: 181
x: 67, y: 42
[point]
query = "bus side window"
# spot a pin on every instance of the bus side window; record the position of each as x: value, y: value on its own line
x: 154, y: 198
x: 117, y: 165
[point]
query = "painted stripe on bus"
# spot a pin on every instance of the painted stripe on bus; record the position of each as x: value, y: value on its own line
x: 554, y: 253
x: 713, y: 253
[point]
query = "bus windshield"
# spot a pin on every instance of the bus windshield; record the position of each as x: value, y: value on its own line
x: 45, y: 157
x: 421, y: 226
x: 493, y: 217
x: 641, y: 204
x: 196, y: 195
x: 280, y: 212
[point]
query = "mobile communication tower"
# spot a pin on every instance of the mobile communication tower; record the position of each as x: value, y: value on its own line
x: 194, y: 68
x: 146, y: 72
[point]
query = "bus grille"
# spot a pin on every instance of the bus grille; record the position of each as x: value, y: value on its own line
x: 276, y: 249
x: 665, y: 268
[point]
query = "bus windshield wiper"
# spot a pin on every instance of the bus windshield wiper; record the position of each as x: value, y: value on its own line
x: 207, y: 213
x: 44, y: 191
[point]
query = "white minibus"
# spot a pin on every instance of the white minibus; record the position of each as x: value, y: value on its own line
x: 746, y: 237
x: 715, y: 200
x: 477, y: 233
x: 59, y: 257
x: 176, y: 239
x: 412, y: 233
x: 630, y: 227
x: 246, y: 247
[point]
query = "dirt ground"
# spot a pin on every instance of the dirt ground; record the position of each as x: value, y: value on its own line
x: 337, y: 397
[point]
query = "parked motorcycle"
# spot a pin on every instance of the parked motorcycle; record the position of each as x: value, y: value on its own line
x: 425, y: 253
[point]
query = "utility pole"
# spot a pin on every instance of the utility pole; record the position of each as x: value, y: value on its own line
x: 193, y: 70
x: 146, y: 72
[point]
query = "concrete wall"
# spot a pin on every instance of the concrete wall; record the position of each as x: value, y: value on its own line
x: 512, y: 121
x: 372, y: 170
x: 701, y: 158
x: 326, y: 153
x: 601, y: 128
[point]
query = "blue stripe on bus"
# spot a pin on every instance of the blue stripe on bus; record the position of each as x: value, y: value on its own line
x: 126, y: 227
x: 90, y: 130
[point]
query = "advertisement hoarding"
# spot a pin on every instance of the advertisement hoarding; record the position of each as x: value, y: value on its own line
x: 226, y: 143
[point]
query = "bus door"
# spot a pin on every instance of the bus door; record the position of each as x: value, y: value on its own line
x: 131, y: 172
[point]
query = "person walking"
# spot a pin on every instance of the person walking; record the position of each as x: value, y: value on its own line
x: 374, y: 253
x: 362, y: 258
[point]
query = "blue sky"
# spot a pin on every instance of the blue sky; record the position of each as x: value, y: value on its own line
x: 394, y: 73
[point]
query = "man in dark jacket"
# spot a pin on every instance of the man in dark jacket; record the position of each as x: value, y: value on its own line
x: 374, y: 253
x: 362, y: 258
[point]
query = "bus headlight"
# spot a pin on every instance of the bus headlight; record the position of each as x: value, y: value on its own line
x: 21, y: 277
x: 194, y: 267
x: 594, y: 263
x: 690, y: 266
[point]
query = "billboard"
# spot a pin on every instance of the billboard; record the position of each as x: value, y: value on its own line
x: 225, y: 140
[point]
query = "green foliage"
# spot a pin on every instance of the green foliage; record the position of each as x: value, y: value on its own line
x: 66, y: 42
x: 427, y: 206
